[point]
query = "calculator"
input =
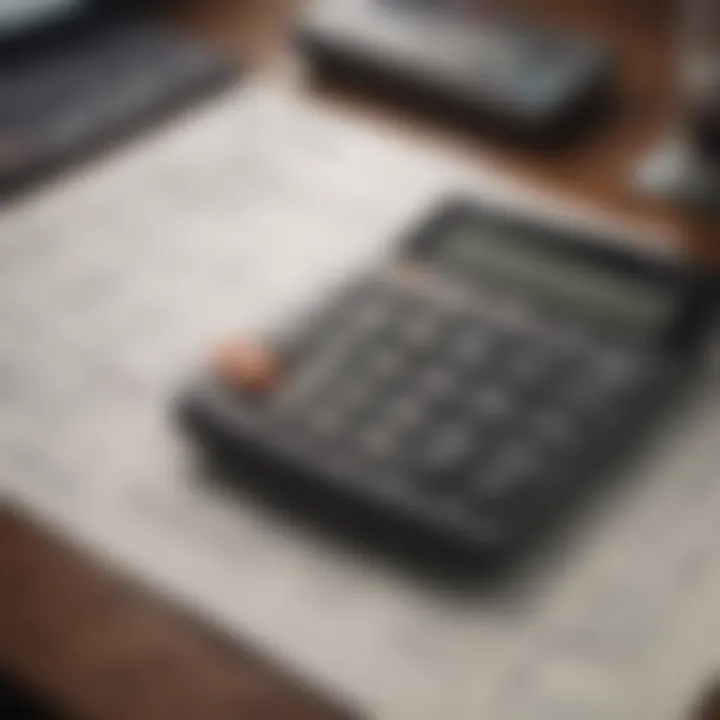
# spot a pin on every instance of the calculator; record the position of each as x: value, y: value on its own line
x: 469, y: 386
x: 498, y: 71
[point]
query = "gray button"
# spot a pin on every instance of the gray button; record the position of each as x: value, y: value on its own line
x: 471, y: 350
x: 421, y: 330
x: 384, y: 364
x: 494, y: 403
x: 513, y: 483
x: 437, y: 383
x: 406, y: 413
x: 440, y: 457
x: 616, y: 370
x: 556, y: 427
x: 378, y: 442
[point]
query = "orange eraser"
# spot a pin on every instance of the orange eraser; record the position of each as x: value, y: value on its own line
x: 247, y: 366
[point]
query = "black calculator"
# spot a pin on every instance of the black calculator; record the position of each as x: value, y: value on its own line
x: 469, y: 386
x: 493, y: 70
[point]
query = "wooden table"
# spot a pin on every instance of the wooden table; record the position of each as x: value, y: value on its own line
x: 100, y: 649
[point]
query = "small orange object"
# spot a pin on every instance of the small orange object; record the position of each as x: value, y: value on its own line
x: 247, y: 367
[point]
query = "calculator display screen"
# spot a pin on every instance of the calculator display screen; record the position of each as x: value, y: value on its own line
x: 619, y: 296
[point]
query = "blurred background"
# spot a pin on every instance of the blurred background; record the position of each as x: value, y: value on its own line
x: 178, y: 180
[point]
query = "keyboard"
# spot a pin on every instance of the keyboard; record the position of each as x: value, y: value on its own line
x: 68, y: 98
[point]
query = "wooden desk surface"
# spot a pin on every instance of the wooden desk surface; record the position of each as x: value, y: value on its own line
x: 99, y: 649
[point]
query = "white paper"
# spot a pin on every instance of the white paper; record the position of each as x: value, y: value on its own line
x: 113, y: 285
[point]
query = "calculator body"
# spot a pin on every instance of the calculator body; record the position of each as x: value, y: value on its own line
x: 471, y: 386
x: 491, y: 70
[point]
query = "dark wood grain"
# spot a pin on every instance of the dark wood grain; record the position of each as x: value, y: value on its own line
x: 99, y: 649
x: 709, y: 708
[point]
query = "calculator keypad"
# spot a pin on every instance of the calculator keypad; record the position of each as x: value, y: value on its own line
x: 477, y: 408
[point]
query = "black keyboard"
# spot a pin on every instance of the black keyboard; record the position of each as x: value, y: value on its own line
x: 469, y: 404
x: 63, y: 100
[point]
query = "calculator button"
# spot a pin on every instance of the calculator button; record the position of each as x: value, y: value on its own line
x: 604, y: 383
x: 572, y: 337
x: 294, y: 394
x: 558, y: 429
x: 528, y: 367
x: 436, y: 383
x: 309, y: 383
x: 352, y: 396
x: 471, y: 350
x: 383, y: 364
x: 512, y: 483
x: 406, y: 413
x: 324, y: 422
x: 420, y: 330
x: 587, y: 401
x: 378, y: 442
x: 513, y: 315
x: 489, y: 303
x: 400, y: 416
x: 440, y: 458
x: 370, y: 315
x: 494, y: 404
x: 616, y: 369
x: 247, y: 367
